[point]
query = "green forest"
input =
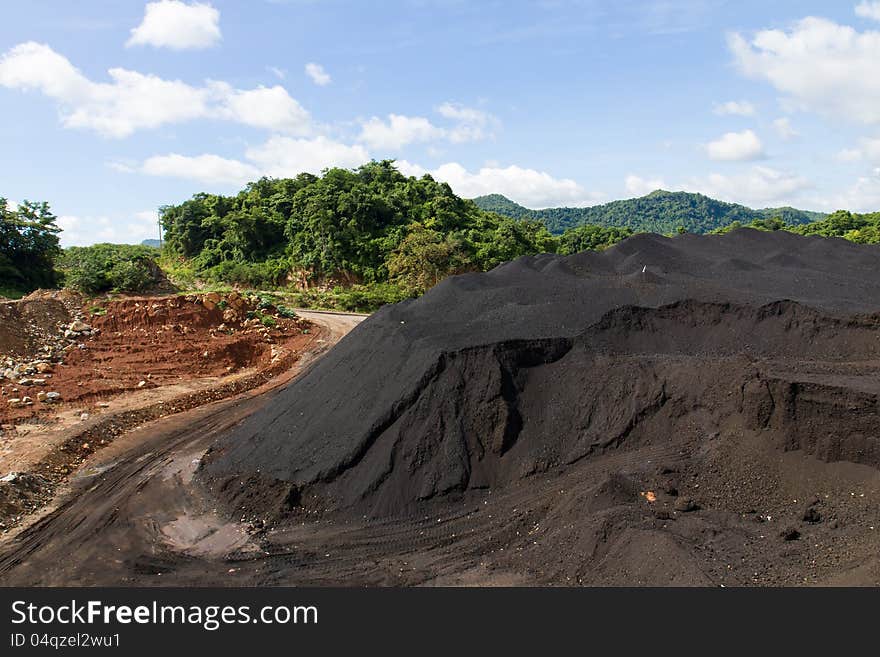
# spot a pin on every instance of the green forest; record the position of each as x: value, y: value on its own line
x: 658, y: 212
x: 358, y: 239
x: 367, y: 226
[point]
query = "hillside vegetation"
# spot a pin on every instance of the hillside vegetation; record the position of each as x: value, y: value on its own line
x: 859, y: 228
x: 658, y: 212
x: 371, y: 225
x: 358, y: 239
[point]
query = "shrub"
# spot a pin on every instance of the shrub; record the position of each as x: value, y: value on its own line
x: 110, y: 267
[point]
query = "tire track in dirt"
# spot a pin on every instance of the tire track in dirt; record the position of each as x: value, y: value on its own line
x: 111, y: 517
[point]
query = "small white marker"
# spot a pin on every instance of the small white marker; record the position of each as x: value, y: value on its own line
x: 644, y: 269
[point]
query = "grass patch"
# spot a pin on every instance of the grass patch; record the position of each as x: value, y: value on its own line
x: 11, y: 292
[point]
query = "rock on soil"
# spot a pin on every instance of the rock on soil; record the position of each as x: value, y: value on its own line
x: 134, y: 343
x: 750, y: 363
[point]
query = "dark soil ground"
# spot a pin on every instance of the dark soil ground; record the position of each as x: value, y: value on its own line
x: 687, y: 411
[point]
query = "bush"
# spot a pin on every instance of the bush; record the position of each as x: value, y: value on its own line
x: 110, y: 268
x: 358, y: 298
x: 269, y: 273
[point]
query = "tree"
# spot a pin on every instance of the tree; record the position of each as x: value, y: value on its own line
x: 425, y: 257
x: 593, y: 238
x: 28, y: 245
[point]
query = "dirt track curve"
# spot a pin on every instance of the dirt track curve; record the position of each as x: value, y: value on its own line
x: 129, y: 514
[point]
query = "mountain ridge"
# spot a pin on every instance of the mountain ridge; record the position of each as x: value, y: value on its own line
x: 660, y: 211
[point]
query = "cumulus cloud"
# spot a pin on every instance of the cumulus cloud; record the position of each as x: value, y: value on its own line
x: 467, y: 124
x: 116, y: 109
x: 862, y: 196
x: 738, y: 146
x: 134, y: 101
x: 784, y: 129
x: 818, y: 66
x: 283, y: 156
x: 271, y: 108
x: 177, y: 25
x: 736, y: 107
x: 131, y: 229
x: 531, y: 188
x: 398, y: 131
x: 869, y: 10
x: 211, y: 169
x: 471, y: 124
x: 319, y: 76
x: 759, y: 186
x: 867, y: 149
x: 638, y: 186
x: 278, y: 157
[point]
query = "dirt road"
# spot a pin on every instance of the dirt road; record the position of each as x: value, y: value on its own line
x: 129, y: 514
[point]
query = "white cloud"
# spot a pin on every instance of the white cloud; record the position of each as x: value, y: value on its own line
x: 211, y: 169
x: 736, y: 107
x: 531, y: 188
x: 638, y: 186
x: 818, y: 66
x: 868, y: 149
x: 738, y: 146
x: 271, y: 108
x: 398, y: 131
x: 283, y: 156
x: 319, y: 76
x: 177, y: 25
x: 869, y: 10
x: 784, y: 129
x: 279, y: 73
x: 468, y: 124
x: 848, y: 155
x: 134, y: 101
x: 759, y: 186
x: 471, y: 124
x: 82, y: 231
x: 278, y: 157
x: 861, y: 196
x: 130, y: 102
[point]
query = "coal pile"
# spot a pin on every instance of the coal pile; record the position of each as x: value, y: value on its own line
x: 662, y: 380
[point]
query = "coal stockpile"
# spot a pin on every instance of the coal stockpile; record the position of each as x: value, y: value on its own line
x: 730, y: 378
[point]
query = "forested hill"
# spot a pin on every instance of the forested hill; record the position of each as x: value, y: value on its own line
x: 500, y: 204
x: 792, y: 216
x: 658, y: 212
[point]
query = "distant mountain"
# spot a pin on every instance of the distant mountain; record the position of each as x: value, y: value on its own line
x: 792, y: 215
x: 500, y: 204
x: 154, y: 243
x: 658, y: 212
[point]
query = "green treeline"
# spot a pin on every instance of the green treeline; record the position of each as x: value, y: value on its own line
x: 364, y: 226
x: 356, y: 239
x: 659, y: 212
x: 859, y: 228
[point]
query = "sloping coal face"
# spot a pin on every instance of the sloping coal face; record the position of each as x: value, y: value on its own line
x: 546, y: 363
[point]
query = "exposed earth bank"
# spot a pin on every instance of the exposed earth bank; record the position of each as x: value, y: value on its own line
x: 74, y: 375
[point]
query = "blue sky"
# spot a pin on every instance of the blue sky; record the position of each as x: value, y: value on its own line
x: 111, y: 108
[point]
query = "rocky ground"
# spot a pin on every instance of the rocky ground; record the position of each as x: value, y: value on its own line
x: 76, y: 374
